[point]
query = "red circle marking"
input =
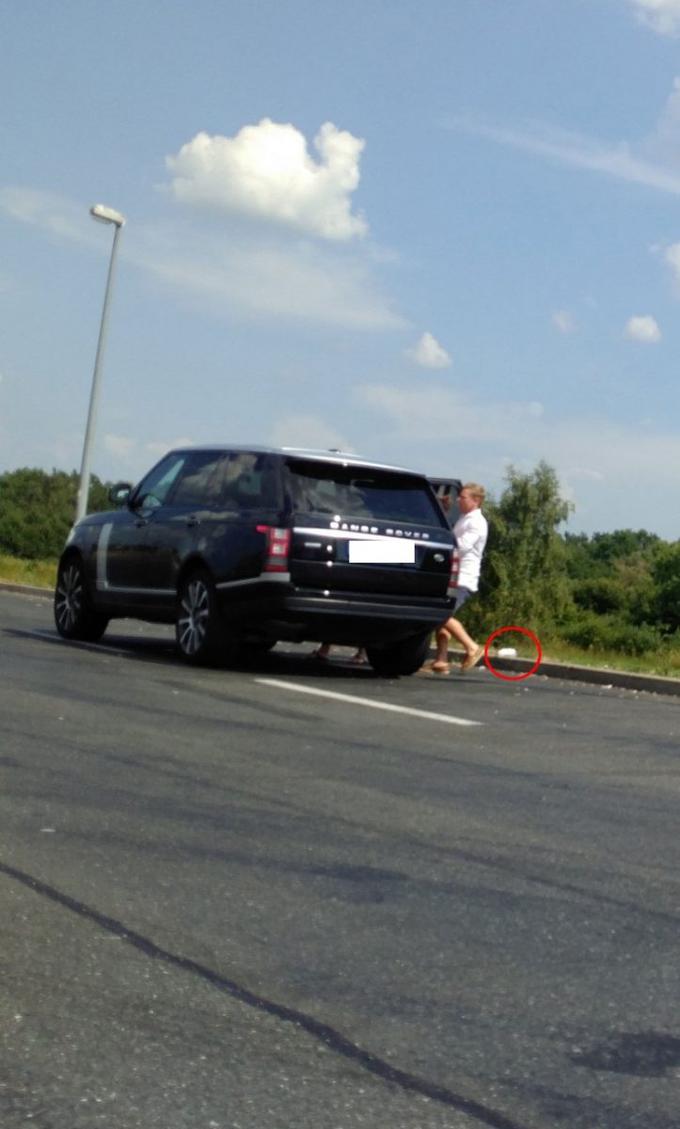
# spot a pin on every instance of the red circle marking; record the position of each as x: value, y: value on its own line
x: 513, y: 677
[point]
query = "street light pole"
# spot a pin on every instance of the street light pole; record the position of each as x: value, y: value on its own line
x: 103, y: 215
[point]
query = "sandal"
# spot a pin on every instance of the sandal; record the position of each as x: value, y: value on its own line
x: 472, y: 659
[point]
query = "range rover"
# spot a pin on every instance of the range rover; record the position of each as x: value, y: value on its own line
x: 242, y: 546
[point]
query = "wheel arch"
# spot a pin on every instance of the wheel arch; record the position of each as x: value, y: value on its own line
x: 193, y: 563
x: 71, y: 552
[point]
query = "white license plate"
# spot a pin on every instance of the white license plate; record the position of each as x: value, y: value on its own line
x: 382, y: 552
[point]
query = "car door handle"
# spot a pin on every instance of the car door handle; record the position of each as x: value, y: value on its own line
x: 192, y: 521
x: 141, y: 521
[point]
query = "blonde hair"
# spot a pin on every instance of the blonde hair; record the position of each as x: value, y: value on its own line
x: 475, y: 490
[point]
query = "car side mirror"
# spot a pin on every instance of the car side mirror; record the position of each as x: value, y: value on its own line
x: 120, y: 493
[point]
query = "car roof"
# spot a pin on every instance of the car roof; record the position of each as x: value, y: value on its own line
x: 340, y: 458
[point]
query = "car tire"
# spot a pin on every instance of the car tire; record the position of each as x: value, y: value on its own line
x: 199, y: 626
x: 74, y: 616
x: 405, y: 657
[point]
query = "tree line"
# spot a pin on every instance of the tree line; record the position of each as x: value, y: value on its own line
x: 616, y: 591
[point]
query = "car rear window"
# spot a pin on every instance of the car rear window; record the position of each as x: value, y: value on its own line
x: 361, y: 492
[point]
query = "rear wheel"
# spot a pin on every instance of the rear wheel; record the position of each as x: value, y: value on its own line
x: 199, y: 627
x: 73, y: 612
x: 405, y: 657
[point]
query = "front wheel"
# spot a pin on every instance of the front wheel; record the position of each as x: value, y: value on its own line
x: 405, y: 657
x: 74, y: 615
x: 199, y: 628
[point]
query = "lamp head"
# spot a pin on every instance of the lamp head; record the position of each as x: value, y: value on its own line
x: 103, y: 214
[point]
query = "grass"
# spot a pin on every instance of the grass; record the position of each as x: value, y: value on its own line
x: 41, y: 574
x: 664, y: 661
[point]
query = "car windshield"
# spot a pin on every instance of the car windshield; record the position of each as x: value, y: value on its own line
x: 361, y: 492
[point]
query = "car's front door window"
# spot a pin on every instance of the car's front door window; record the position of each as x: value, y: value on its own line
x: 154, y: 489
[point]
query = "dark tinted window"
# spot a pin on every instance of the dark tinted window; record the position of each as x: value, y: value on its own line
x: 357, y: 492
x: 201, y: 481
x: 231, y: 481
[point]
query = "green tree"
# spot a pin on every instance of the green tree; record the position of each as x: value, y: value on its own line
x: 37, y: 510
x: 524, y: 575
x: 666, y: 576
x: 611, y: 574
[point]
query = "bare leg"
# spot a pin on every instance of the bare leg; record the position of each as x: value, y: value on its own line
x: 455, y: 627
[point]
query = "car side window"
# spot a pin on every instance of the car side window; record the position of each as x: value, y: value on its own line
x: 154, y: 489
x: 248, y: 482
x: 200, y: 483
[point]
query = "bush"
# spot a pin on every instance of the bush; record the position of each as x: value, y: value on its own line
x: 601, y: 594
x: 609, y: 633
x: 37, y: 510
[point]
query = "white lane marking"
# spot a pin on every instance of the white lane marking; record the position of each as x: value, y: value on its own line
x: 445, y: 717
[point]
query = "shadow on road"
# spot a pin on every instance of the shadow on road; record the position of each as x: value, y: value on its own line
x: 148, y: 646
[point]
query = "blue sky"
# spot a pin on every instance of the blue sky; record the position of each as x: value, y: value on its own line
x: 444, y: 234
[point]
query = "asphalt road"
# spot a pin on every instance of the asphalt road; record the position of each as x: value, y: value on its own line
x: 254, y: 900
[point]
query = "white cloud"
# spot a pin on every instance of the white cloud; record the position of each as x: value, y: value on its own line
x: 47, y: 211
x: 266, y: 171
x: 580, y: 152
x: 436, y: 413
x: 664, y: 141
x: 672, y: 257
x: 428, y: 353
x: 643, y: 328
x: 564, y: 321
x: 653, y: 160
x: 118, y: 445
x: 227, y: 276
x: 308, y: 431
x: 663, y: 16
x: 476, y: 438
x: 259, y: 280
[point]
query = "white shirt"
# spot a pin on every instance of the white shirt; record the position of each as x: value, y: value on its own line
x: 470, y: 532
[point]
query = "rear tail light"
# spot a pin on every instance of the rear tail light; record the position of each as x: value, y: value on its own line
x: 278, y: 548
x: 455, y: 568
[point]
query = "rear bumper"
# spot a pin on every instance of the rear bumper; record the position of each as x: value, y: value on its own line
x: 297, y: 615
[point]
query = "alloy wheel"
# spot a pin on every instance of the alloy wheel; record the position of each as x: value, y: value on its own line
x: 194, y: 617
x: 69, y: 598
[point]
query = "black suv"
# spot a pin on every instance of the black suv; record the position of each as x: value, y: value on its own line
x: 242, y: 546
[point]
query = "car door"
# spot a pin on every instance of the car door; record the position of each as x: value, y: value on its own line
x: 123, y: 555
x: 185, y: 522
